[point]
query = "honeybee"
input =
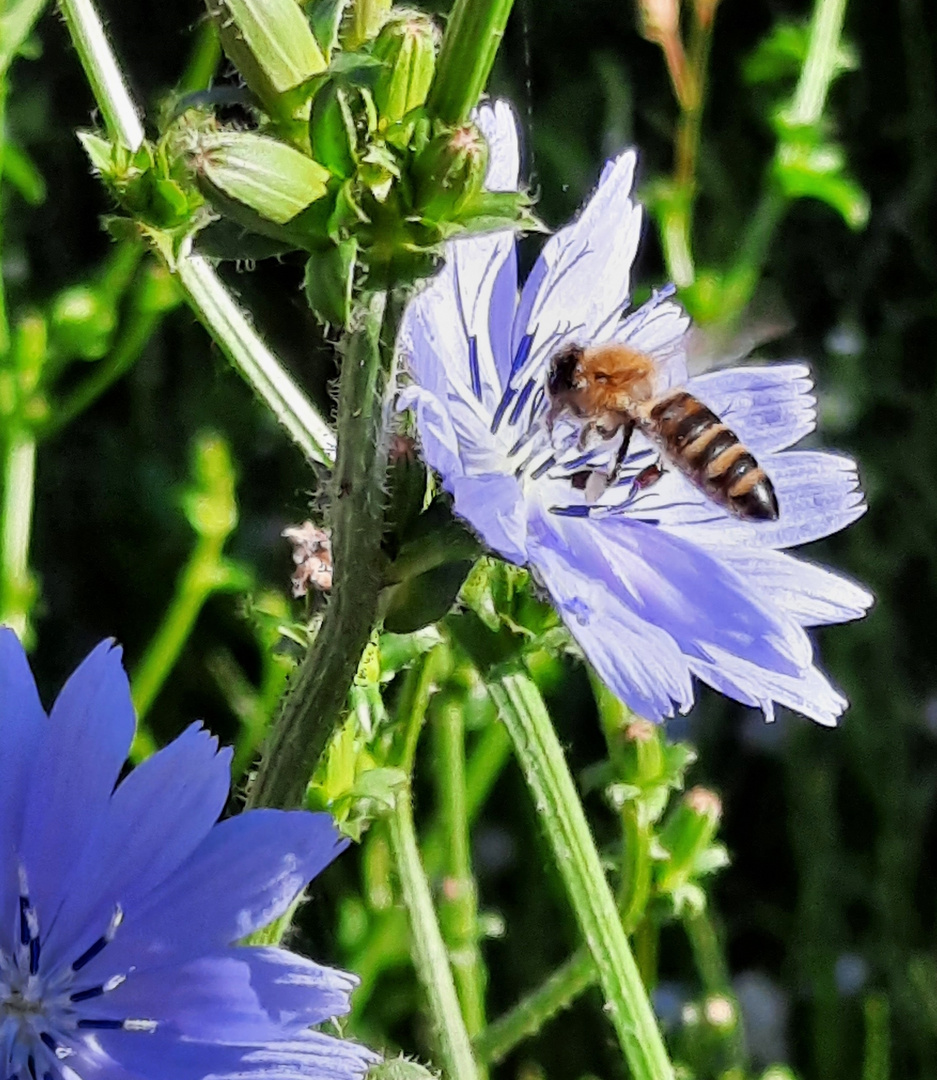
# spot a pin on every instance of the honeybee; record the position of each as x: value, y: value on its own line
x: 612, y: 388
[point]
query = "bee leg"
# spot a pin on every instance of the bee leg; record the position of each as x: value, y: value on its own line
x: 648, y: 476
x: 627, y: 430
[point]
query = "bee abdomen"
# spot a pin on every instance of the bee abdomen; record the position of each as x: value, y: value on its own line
x: 712, y: 456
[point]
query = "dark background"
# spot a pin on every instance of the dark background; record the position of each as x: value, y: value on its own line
x: 831, y: 899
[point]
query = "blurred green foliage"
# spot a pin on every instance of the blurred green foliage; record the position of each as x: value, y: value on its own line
x: 828, y: 910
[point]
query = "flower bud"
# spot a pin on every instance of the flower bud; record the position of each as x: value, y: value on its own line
x: 406, y: 46
x: 82, y: 322
x: 270, y: 43
x: 450, y: 172
x: 642, y: 754
x: 686, y: 836
x: 274, y: 180
x: 660, y: 19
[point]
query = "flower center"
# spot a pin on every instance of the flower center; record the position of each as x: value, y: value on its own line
x: 41, y: 1017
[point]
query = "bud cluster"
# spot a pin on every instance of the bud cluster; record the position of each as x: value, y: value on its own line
x: 343, y: 160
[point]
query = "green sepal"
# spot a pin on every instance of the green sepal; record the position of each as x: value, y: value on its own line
x: 270, y: 177
x: 807, y: 167
x: 449, y: 172
x: 399, y: 1069
x: 328, y: 281
x: 271, y: 44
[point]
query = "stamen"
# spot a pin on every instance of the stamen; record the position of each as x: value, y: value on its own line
x: 502, y: 408
x: 577, y: 511
x: 29, y: 922
x: 104, y: 940
x: 31, y: 1065
x: 541, y: 469
x: 134, y: 1024
x: 521, y: 402
x: 473, y: 368
x: 86, y: 995
x: 523, y: 351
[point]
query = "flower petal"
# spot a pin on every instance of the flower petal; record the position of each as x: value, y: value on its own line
x: 769, y: 408
x: 137, y: 846
x: 812, y: 595
x: 641, y: 663
x: 85, y: 743
x: 582, y: 279
x: 494, y: 506
x: 241, y: 995
x: 309, y: 1056
x: 242, y: 876
x: 818, y: 494
x: 810, y: 693
x: 498, y: 123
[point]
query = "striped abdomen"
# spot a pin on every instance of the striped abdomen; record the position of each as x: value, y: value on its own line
x: 708, y: 453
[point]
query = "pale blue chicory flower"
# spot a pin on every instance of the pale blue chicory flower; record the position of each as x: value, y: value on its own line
x: 657, y: 583
x: 120, y: 906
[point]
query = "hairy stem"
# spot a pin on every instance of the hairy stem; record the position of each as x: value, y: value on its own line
x: 541, y: 757
x: 557, y: 992
x: 459, y: 903
x: 16, y: 517
x: 473, y: 35
x: 429, y: 950
x: 317, y: 692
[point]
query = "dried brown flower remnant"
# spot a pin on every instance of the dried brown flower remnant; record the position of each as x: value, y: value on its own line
x: 312, y: 554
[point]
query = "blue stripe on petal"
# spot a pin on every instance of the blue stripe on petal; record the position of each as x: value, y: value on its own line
x: 473, y: 368
x: 523, y: 352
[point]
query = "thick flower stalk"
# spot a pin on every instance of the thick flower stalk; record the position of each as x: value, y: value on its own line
x: 122, y: 905
x: 656, y: 582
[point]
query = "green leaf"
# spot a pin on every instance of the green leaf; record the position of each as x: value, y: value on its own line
x: 807, y: 170
x: 426, y: 598
x: 273, y: 179
x: 16, y: 24
x: 781, y: 55
x: 328, y: 281
x: 325, y: 16
x: 99, y: 150
x: 22, y: 174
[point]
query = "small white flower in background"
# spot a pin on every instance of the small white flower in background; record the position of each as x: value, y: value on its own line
x: 657, y: 583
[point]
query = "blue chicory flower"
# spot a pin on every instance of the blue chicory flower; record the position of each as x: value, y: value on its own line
x: 120, y: 906
x: 656, y: 583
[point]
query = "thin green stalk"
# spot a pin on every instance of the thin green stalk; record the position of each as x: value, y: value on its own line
x: 103, y: 73
x: 714, y: 973
x: 805, y: 108
x: 876, y: 1064
x: 204, y: 573
x: 557, y: 992
x: 473, y: 35
x: 314, y: 702
x: 429, y: 950
x: 4, y: 320
x: 140, y: 326
x: 826, y: 28
x: 541, y: 757
x: 16, y: 516
x: 203, y: 288
x: 229, y: 326
x: 458, y: 913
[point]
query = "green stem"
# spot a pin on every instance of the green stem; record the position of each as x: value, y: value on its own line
x: 204, y: 291
x: 473, y: 35
x: 103, y: 73
x: 204, y: 573
x: 16, y: 516
x: 317, y: 693
x: 541, y: 757
x: 228, y: 325
x: 459, y: 904
x: 4, y: 320
x: 714, y: 974
x: 876, y: 1063
x: 429, y: 950
x: 139, y: 328
x: 558, y: 991
x: 819, y: 68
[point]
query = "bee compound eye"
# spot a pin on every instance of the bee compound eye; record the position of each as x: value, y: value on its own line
x: 562, y: 368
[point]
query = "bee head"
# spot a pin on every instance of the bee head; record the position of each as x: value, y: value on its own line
x: 563, y: 366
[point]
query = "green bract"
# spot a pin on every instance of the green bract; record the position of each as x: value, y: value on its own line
x: 271, y: 44
x: 271, y: 178
x: 450, y: 172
